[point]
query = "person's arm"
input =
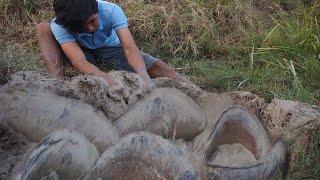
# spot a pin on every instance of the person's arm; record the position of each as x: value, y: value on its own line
x: 132, y: 52
x: 78, y: 61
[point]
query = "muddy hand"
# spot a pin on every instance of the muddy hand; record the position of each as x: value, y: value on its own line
x: 148, y: 83
x: 117, y: 89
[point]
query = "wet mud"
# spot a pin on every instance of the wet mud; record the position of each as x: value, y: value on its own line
x: 83, y: 129
x: 12, y: 150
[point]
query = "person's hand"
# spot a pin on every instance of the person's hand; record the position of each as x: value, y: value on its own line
x: 148, y: 83
x: 117, y: 90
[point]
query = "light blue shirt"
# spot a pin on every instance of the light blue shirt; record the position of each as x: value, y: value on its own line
x: 111, y: 18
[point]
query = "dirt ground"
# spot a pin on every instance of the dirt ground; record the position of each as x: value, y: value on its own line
x: 12, y: 149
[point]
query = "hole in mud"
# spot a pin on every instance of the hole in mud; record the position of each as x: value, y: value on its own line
x: 233, y: 146
x: 3, y: 76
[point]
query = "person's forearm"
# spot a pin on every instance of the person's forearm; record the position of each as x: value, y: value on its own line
x: 135, y: 61
x: 78, y: 59
x: 86, y: 68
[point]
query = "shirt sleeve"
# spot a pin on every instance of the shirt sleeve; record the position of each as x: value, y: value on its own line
x: 118, y: 18
x: 61, y: 34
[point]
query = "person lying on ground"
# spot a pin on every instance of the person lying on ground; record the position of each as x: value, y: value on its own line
x: 89, y: 32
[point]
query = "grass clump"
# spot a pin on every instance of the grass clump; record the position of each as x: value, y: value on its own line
x: 18, y: 44
x: 190, y: 28
x: 280, y: 61
x: 21, y: 6
x: 306, y: 157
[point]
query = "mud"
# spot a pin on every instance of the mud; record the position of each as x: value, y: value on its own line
x: 36, y: 114
x: 62, y: 153
x: 12, y: 151
x: 173, y: 130
x: 88, y: 89
x: 166, y: 112
x: 144, y: 156
x: 234, y: 154
x: 289, y: 119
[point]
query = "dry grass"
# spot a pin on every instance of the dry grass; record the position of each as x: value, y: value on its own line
x: 191, y: 27
x: 202, y: 28
x: 18, y: 50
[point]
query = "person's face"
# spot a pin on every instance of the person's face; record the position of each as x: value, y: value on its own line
x: 92, y: 23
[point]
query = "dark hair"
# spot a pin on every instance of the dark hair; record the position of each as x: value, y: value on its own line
x: 72, y: 14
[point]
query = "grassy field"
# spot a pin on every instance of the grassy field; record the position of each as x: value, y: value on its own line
x: 270, y: 48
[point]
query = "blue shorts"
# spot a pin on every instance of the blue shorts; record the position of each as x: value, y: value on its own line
x: 115, y: 57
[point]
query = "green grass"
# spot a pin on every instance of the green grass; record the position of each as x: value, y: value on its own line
x: 281, y: 61
x: 306, y: 157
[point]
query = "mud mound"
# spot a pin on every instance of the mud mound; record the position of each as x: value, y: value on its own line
x: 143, y: 156
x: 166, y: 112
x: 281, y: 118
x: 88, y: 89
x: 35, y: 114
x: 63, y: 153
x: 289, y: 118
x: 174, y: 130
x: 192, y: 90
